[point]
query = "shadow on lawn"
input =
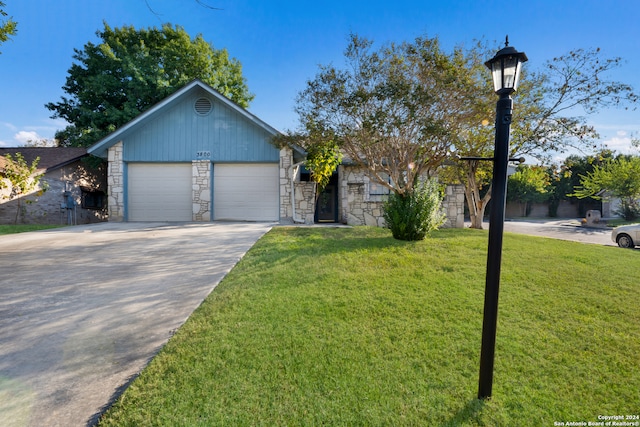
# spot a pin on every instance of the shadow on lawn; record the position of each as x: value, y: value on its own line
x: 470, y: 412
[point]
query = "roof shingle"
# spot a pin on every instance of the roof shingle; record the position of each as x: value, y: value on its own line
x: 50, y: 157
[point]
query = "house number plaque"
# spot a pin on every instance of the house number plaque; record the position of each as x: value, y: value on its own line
x: 203, y: 154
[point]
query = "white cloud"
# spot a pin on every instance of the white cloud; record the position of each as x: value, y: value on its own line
x: 24, y: 137
x: 621, y: 142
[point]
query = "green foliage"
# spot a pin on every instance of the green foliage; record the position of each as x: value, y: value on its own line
x: 130, y: 71
x: 7, y: 28
x: 529, y: 184
x: 323, y: 155
x: 629, y: 209
x: 619, y: 177
x: 566, y: 177
x: 389, y: 109
x: 22, y: 178
x: 322, y: 161
x: 541, y: 122
x: 414, y: 215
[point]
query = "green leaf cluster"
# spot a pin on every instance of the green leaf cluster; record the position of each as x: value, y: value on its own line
x: 619, y: 177
x: 414, y: 215
x: 322, y: 161
x: 21, y: 175
x: 8, y: 28
x: 529, y: 184
x: 131, y: 70
x: 22, y: 178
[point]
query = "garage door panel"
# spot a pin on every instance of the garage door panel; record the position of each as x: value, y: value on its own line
x: 248, y: 192
x: 159, y: 192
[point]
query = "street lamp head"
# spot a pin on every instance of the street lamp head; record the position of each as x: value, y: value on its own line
x: 505, y: 68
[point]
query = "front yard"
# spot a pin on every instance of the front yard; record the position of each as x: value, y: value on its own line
x: 319, y: 326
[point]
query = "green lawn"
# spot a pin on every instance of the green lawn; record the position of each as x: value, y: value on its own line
x: 22, y: 228
x: 349, y: 327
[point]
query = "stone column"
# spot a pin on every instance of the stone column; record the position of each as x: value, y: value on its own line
x: 286, y: 192
x: 453, y: 205
x: 201, y: 190
x: 115, y: 183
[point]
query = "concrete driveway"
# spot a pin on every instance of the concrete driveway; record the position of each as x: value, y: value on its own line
x: 84, y: 308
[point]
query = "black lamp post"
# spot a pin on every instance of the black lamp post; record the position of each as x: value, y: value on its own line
x: 505, y: 68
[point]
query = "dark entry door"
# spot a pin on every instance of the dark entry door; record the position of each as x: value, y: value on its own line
x: 327, y: 206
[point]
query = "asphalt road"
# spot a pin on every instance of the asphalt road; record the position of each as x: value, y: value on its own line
x: 564, y: 229
x: 83, y: 309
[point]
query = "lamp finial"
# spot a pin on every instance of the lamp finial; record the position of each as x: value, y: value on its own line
x: 506, y: 42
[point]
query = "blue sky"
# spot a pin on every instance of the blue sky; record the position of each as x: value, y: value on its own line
x: 280, y: 44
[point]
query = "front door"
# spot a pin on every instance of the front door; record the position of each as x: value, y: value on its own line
x: 327, y: 205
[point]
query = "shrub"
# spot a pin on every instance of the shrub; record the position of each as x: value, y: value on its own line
x: 629, y: 209
x: 412, y: 216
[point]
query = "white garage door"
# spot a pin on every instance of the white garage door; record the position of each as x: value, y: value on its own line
x: 246, y: 192
x: 159, y: 192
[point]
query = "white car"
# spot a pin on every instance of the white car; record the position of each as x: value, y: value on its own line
x: 626, y: 236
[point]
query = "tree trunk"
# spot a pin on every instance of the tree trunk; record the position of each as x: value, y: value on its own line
x: 18, y: 209
x: 476, y: 204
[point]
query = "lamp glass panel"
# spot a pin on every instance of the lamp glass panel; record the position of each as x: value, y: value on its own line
x: 510, y: 68
x: 496, y: 73
x: 518, y: 68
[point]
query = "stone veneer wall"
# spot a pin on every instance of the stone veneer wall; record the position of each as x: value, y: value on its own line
x: 305, y: 205
x: 304, y: 193
x: 358, y: 207
x: 115, y: 179
x: 201, y: 195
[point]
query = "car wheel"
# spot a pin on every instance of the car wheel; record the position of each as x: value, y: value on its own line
x: 625, y: 241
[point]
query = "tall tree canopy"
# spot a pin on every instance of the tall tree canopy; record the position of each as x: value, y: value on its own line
x: 131, y: 70
x: 388, y: 110
x: 8, y: 27
x: 546, y: 116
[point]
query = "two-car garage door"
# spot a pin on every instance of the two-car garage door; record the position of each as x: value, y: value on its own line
x: 163, y: 192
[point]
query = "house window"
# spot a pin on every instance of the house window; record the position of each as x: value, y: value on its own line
x: 92, y: 199
x: 376, y: 191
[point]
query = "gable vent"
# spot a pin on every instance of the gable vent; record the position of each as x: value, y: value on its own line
x: 203, y: 106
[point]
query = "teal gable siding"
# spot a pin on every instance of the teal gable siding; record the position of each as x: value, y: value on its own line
x: 177, y: 133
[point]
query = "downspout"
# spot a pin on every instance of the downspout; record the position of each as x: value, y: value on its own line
x: 293, y: 172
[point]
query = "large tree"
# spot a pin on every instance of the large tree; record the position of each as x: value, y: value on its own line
x: 619, y: 177
x: 387, y: 109
x: 132, y: 69
x: 8, y: 27
x: 550, y: 114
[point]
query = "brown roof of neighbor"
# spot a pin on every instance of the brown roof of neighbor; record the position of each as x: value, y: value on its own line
x: 50, y: 157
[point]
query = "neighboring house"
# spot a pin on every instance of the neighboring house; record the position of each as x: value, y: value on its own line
x: 75, y: 193
x: 198, y: 156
